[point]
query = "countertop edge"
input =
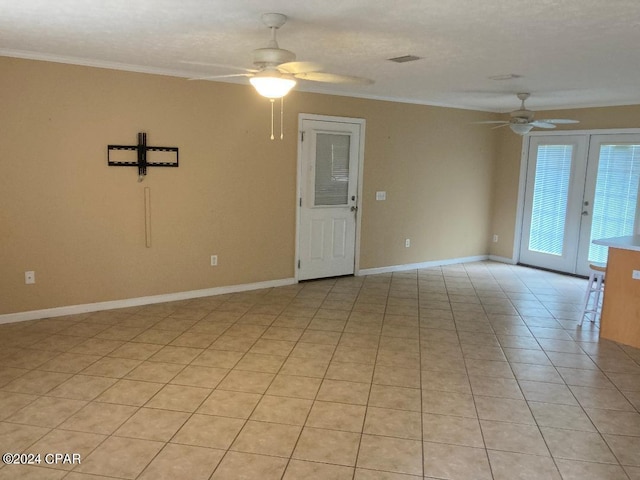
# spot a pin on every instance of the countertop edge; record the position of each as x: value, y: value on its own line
x: 631, y: 242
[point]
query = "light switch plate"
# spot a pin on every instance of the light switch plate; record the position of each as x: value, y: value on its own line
x: 636, y: 275
x: 381, y: 195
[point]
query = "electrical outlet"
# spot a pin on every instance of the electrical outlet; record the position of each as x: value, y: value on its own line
x: 495, y: 239
x: 407, y: 242
x: 636, y: 275
x: 29, y: 278
x: 214, y: 260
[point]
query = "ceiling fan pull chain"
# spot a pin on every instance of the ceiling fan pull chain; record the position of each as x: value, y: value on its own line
x: 272, y: 101
x: 281, y: 118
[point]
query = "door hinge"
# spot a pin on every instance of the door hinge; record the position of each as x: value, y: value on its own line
x: 298, y: 263
x: 302, y: 136
x: 300, y: 201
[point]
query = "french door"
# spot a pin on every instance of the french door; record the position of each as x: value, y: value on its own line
x: 579, y: 188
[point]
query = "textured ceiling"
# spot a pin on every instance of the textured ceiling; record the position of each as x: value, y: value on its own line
x: 569, y: 53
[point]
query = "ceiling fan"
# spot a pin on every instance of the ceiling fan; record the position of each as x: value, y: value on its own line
x: 521, y: 121
x: 276, y: 70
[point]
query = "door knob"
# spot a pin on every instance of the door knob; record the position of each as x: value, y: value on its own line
x: 354, y: 209
x: 585, y: 213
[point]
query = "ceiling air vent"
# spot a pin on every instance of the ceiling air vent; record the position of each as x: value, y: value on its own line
x: 404, y: 59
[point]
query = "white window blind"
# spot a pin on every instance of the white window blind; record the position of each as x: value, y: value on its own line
x: 551, y: 190
x: 616, y: 198
x: 332, y: 169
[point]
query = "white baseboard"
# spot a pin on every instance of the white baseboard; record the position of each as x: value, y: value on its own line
x: 496, y: 258
x: 416, y: 266
x: 207, y: 292
x: 136, y: 302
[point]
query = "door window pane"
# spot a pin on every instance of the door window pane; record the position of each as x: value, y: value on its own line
x: 616, y: 198
x: 332, y: 169
x: 550, y: 194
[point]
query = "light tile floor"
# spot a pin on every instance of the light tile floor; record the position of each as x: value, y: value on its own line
x: 474, y: 371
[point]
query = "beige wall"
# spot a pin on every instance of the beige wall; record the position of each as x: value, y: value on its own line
x: 508, y: 158
x: 436, y: 169
x: 79, y: 224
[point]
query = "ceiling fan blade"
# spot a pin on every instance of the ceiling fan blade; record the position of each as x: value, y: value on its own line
x: 333, y: 78
x: 492, y: 121
x: 542, y: 124
x: 299, y: 67
x: 505, y: 124
x: 213, y: 77
x: 220, y: 65
x: 559, y: 121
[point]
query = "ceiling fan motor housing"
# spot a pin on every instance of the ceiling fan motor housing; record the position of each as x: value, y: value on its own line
x: 263, y: 57
x: 521, y: 116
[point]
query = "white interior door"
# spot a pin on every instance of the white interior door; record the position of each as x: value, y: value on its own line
x: 579, y: 188
x: 328, y: 203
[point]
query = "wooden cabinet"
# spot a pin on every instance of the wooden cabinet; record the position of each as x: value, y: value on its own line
x: 620, y: 319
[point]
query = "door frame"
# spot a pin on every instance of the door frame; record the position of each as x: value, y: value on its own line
x: 524, y: 158
x: 361, y: 123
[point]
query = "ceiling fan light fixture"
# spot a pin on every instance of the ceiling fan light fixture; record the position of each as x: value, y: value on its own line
x: 521, y: 128
x: 272, y: 87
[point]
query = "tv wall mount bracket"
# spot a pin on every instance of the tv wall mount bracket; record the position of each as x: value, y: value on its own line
x: 117, y: 158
